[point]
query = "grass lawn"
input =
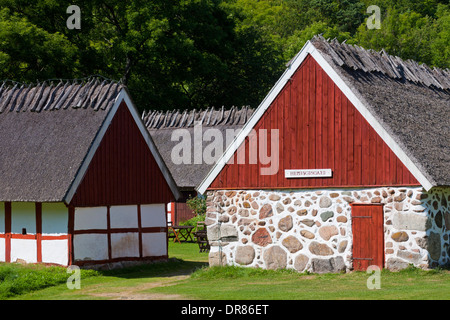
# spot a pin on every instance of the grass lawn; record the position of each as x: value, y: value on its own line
x: 186, y: 276
x: 235, y: 283
x: 129, y: 283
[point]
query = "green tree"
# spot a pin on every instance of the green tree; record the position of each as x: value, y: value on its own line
x: 197, y: 204
x: 411, y: 35
x: 296, y: 41
x: 199, y: 53
x: 440, y: 45
x: 345, y: 15
x: 170, y: 54
x: 29, y: 53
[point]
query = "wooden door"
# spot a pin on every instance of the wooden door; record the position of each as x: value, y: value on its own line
x: 368, y: 236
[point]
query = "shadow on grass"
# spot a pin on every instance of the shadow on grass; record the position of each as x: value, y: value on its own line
x: 173, y: 267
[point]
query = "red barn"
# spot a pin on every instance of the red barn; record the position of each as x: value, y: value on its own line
x: 343, y: 165
x: 81, y: 181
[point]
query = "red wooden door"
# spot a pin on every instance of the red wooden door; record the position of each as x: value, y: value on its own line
x: 368, y: 236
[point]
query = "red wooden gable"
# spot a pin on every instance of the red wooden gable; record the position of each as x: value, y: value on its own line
x: 123, y: 170
x: 319, y: 128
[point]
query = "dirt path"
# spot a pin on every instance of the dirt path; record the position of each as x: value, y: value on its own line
x: 138, y: 292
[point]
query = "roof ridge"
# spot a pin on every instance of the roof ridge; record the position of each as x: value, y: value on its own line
x: 367, y: 60
x: 55, y: 94
x: 209, y: 117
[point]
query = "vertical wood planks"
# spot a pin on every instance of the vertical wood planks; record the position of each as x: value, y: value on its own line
x: 368, y: 236
x: 123, y: 170
x: 319, y: 129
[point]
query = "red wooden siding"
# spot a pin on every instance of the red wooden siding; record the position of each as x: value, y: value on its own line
x: 123, y: 170
x: 368, y: 236
x: 319, y: 128
x: 180, y: 212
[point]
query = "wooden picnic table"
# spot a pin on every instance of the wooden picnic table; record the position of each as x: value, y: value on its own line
x: 181, y: 236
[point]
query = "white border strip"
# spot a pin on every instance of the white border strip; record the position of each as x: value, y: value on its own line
x: 309, y: 48
x: 307, y: 173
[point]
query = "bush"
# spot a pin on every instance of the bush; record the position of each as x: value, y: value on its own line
x: 193, y: 221
x: 197, y: 204
x: 16, y: 279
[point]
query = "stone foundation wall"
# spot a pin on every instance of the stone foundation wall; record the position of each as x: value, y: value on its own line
x: 312, y: 229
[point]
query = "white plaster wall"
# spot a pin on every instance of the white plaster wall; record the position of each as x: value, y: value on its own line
x: 90, y: 218
x: 169, y: 210
x: 124, y: 245
x: 23, y: 215
x: 123, y: 216
x: 90, y: 246
x: 2, y: 249
x: 24, y: 249
x: 154, y: 244
x: 153, y: 215
x: 55, y: 251
x: 55, y: 217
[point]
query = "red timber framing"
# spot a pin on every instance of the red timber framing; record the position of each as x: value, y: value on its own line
x: 70, y: 230
x: 110, y: 231
x: 39, y: 231
x: 8, y: 235
x: 122, y: 171
x: 39, y: 237
x: 319, y: 128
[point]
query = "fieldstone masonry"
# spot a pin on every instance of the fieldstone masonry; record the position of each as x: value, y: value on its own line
x: 311, y: 230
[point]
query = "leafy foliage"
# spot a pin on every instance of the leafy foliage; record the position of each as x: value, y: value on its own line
x: 28, y: 52
x: 411, y: 35
x: 197, y: 204
x: 171, y: 54
x: 201, y: 53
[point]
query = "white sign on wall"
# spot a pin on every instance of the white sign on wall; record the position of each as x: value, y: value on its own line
x: 308, y: 173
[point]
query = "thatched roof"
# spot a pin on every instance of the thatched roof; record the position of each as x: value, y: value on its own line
x: 162, y: 125
x: 410, y: 100
x: 46, y: 130
x: 93, y: 93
